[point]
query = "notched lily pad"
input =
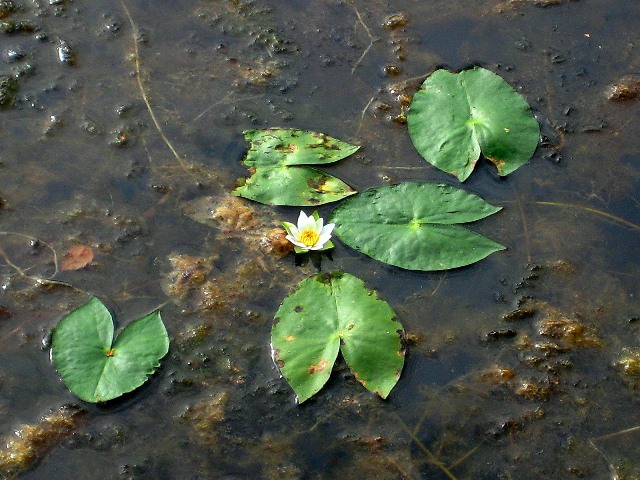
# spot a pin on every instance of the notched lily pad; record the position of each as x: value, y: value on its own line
x: 290, y: 146
x: 296, y: 186
x: 94, y: 368
x: 454, y: 117
x: 277, y: 158
x: 413, y: 226
x: 335, y: 312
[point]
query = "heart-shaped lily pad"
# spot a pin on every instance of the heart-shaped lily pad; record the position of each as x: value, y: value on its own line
x: 93, y: 367
x: 335, y: 312
x: 453, y: 117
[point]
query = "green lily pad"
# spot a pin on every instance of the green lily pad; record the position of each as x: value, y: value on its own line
x: 453, y: 117
x: 295, y: 186
x: 335, y: 312
x: 290, y: 146
x: 279, y: 175
x: 413, y: 226
x: 94, y: 369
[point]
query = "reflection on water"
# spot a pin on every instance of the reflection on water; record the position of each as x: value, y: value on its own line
x: 121, y: 131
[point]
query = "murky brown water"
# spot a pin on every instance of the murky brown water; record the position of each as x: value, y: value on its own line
x: 547, y: 392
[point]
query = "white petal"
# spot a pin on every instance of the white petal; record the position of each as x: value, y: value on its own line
x: 321, y: 241
x: 327, y: 229
x: 308, y: 224
x: 296, y: 242
x: 291, y: 228
x: 302, y: 218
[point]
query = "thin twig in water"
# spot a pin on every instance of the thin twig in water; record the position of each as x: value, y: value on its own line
x: 525, y: 227
x: 364, y: 111
x: 439, y: 283
x: 606, y: 215
x: 371, y: 39
x: 432, y: 458
x: 34, y: 278
x: 143, y: 91
x: 613, y: 470
x: 618, y: 433
x: 221, y: 101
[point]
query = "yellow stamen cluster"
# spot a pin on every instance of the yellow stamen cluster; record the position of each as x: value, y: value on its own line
x: 309, y: 237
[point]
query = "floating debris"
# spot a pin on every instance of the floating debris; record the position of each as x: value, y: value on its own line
x: 498, y: 375
x: 32, y: 441
x: 188, y: 273
x: 397, y: 20
x: 532, y: 390
x: 519, y: 314
x: 20, y: 27
x: 627, y: 88
x: 205, y: 415
x: 7, y: 7
x: 8, y: 89
x: 275, y: 242
x: 568, y: 330
x: 65, y: 53
x: 5, y: 313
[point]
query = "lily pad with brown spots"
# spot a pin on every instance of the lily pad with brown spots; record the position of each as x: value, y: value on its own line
x: 335, y: 312
x: 278, y: 159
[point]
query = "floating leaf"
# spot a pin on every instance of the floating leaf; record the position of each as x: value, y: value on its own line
x: 94, y: 369
x: 332, y: 312
x: 289, y: 146
x: 455, y: 116
x: 277, y: 157
x: 77, y: 257
x: 412, y: 225
x: 295, y: 186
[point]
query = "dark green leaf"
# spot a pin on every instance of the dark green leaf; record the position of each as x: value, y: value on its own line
x: 455, y: 116
x: 289, y: 146
x: 332, y: 312
x: 296, y: 186
x: 277, y: 157
x: 412, y: 225
x: 94, y: 369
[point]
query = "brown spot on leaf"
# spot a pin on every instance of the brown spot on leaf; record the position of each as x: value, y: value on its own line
x: 319, y: 367
x: 498, y: 163
x: 298, y: 309
x: 289, y: 338
x: 357, y: 375
x: 77, y: 257
x: 110, y: 353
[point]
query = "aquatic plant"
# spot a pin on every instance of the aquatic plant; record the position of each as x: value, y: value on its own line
x: 414, y: 225
x: 455, y: 116
x: 278, y: 160
x: 95, y: 368
x: 335, y: 312
x: 309, y: 233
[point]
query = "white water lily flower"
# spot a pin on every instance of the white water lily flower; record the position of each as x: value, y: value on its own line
x: 310, y: 233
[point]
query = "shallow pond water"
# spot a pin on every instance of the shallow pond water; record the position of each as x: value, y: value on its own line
x: 123, y: 133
